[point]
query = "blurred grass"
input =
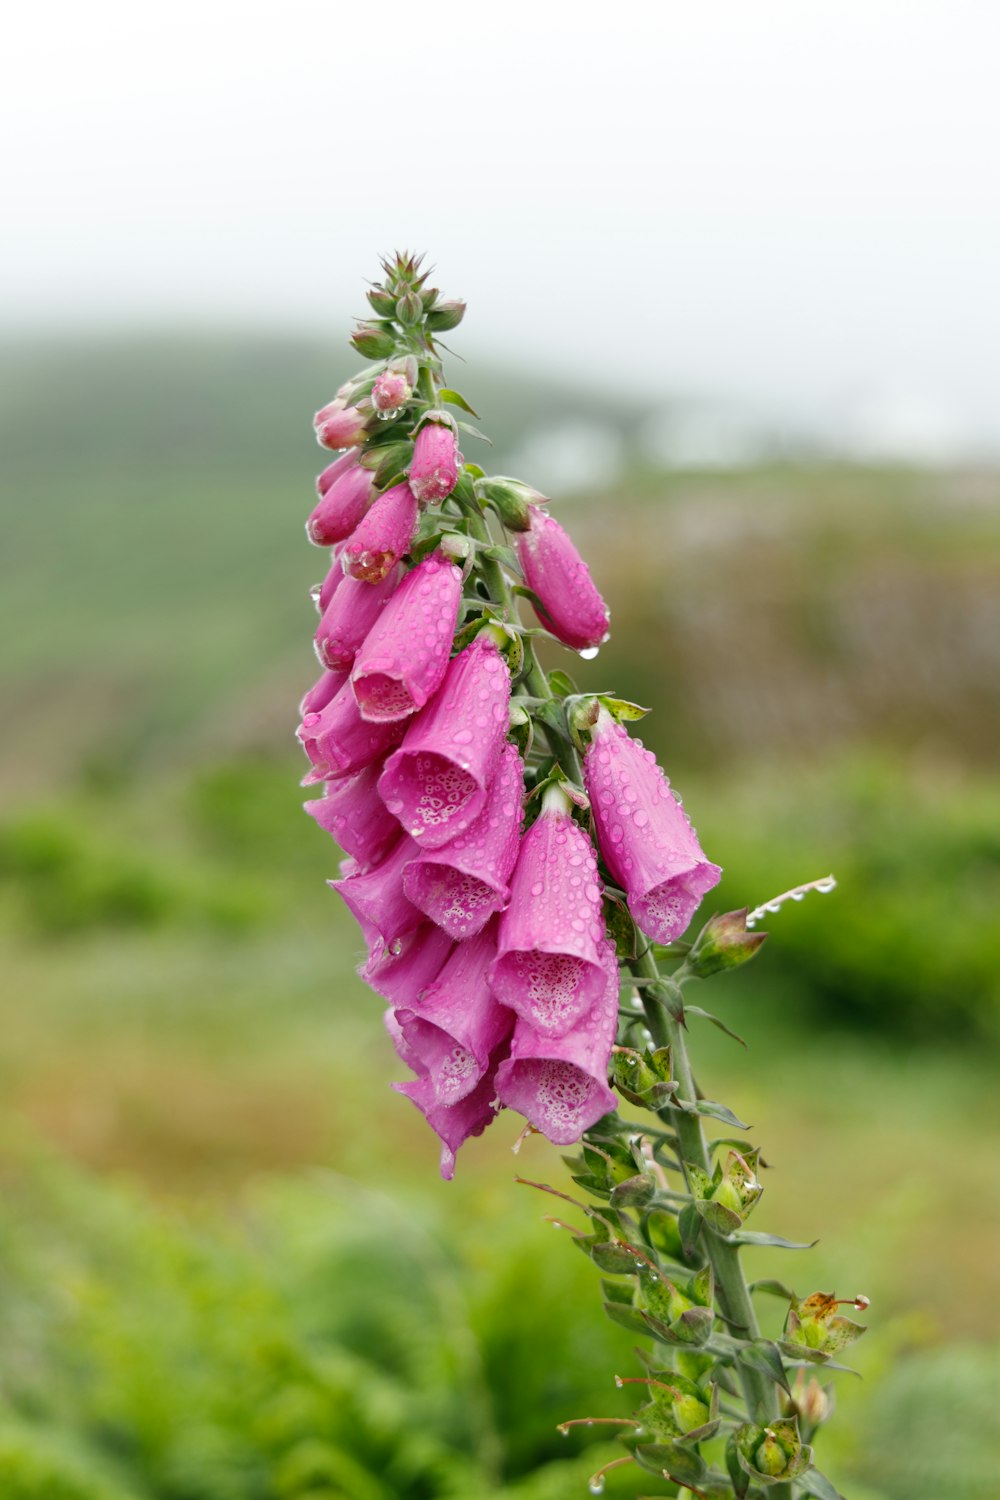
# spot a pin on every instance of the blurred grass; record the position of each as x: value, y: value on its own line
x: 189, y: 1312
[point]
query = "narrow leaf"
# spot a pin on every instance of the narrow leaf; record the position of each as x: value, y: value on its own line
x: 760, y: 1237
x: 454, y: 398
x: 706, y: 1015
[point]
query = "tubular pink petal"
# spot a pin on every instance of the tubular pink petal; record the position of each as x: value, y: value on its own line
x: 401, y: 975
x: 342, y: 506
x: 549, y: 964
x: 405, y: 653
x: 455, y: 1123
x: 436, y: 783
x: 333, y: 471
x: 352, y: 813
x: 351, y: 614
x: 462, y: 885
x: 391, y: 391
x: 338, y: 425
x: 339, y: 741
x: 571, y: 606
x: 320, y: 694
x: 377, y: 900
x: 457, y: 1023
x: 434, y: 470
x: 382, y: 536
x: 648, y: 844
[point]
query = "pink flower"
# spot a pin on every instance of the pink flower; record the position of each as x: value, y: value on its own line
x: 648, y: 844
x: 456, y: 1025
x: 339, y: 425
x: 339, y: 741
x: 571, y: 606
x: 331, y: 583
x: 436, y: 782
x: 550, y: 964
x: 401, y: 974
x: 434, y: 470
x: 405, y: 653
x: 454, y: 1123
x: 341, y: 508
x: 460, y: 886
x: 353, y: 813
x: 560, y: 1084
x: 376, y: 898
x: 333, y: 471
x: 383, y: 535
x: 320, y: 693
x: 351, y: 613
x: 391, y: 391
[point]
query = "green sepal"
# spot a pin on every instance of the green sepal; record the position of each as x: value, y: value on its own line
x: 613, y: 1258
x: 505, y: 555
x: 393, y: 464
x: 621, y: 929
x: 621, y: 709
x: 723, y: 1220
x: 619, y: 1292
x: 816, y: 1484
x: 473, y: 471
x: 561, y: 684
x: 634, y: 1192
x: 627, y: 1317
x: 683, y: 1465
x: 764, y: 1355
x: 689, y: 1224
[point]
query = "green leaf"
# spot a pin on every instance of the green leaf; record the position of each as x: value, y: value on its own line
x: 454, y: 398
x: 774, y: 1289
x: 621, y: 1292
x: 474, y: 432
x: 561, y: 683
x: 706, y: 1015
x: 613, y: 1258
x: 775, y: 1241
x: 505, y: 555
x: 763, y: 1355
x: 628, y: 1317
x: 717, y: 1111
x: 689, y: 1224
x: 474, y: 471
x: 622, y: 930
x: 634, y: 1192
x: 682, y: 1464
x: 816, y: 1484
x: 621, y: 709
x: 723, y: 1220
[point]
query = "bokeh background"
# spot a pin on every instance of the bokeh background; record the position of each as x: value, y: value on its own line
x: 732, y: 282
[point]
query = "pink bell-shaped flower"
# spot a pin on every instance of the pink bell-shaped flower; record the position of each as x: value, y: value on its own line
x: 382, y: 536
x: 406, y: 650
x: 339, y: 741
x: 402, y: 973
x: 349, y: 617
x: 560, y: 1084
x: 455, y: 1026
x: 550, y: 952
x: 648, y: 844
x: 377, y: 900
x: 461, y: 885
x: 321, y: 692
x: 352, y: 813
x: 455, y: 1123
x: 434, y: 470
x: 333, y: 471
x: 342, y: 506
x: 338, y: 425
x: 571, y: 606
x: 322, y: 593
x: 391, y: 391
x: 436, y: 782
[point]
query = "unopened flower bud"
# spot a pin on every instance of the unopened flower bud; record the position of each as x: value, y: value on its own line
x: 339, y: 425
x: 571, y: 607
x: 409, y: 308
x: 723, y: 943
x: 373, y: 341
x: 383, y: 535
x: 390, y: 392
x: 382, y: 302
x: 434, y: 470
x: 445, y: 315
x: 511, y: 500
x: 770, y: 1457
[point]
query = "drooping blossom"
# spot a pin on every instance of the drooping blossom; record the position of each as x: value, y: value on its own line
x: 321, y: 692
x: 353, y: 813
x: 644, y: 835
x: 338, y: 425
x: 383, y: 535
x: 402, y: 973
x: 376, y: 897
x: 456, y: 1024
x: 338, y: 741
x: 436, y: 782
x: 391, y: 391
x: 571, y: 606
x: 550, y: 966
x: 350, y: 615
x: 460, y: 885
x: 335, y: 576
x: 434, y: 470
x: 341, y: 507
x: 560, y: 1083
x: 454, y: 1123
x: 333, y: 471
x: 406, y: 650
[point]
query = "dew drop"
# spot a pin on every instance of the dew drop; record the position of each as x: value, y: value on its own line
x: 588, y: 654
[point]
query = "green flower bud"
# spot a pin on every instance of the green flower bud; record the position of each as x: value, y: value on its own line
x: 511, y: 500
x: 690, y: 1412
x: 409, y: 309
x: 723, y: 943
x: 446, y: 315
x: 770, y: 1457
x: 373, y: 341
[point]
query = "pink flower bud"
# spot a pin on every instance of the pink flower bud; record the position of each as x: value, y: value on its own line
x: 647, y: 842
x: 377, y: 899
x: 457, y: 1023
x: 338, y: 740
x: 434, y: 470
x: 455, y: 1123
x: 460, y: 886
x: 560, y: 1084
x: 550, y: 964
x: 349, y: 616
x: 383, y: 536
x: 333, y: 471
x: 339, y: 425
x: 405, y: 653
x: 436, y: 783
x: 571, y: 606
x: 391, y: 391
x: 320, y: 693
x: 352, y: 813
x: 402, y: 974
x: 342, y: 507
x: 331, y: 583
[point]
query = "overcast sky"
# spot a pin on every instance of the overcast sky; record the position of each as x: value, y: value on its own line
x: 793, y: 202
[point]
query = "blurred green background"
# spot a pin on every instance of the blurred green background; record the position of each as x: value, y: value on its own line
x: 229, y: 1270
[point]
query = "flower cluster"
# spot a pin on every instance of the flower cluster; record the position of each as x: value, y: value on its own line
x: 479, y: 850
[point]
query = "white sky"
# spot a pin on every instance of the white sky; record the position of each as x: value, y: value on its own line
x: 793, y: 201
